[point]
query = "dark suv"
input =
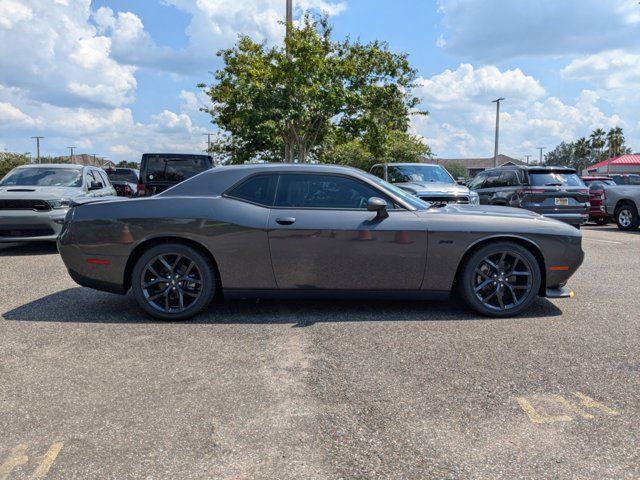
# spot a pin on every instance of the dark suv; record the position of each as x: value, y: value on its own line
x: 554, y: 192
x: 159, y: 171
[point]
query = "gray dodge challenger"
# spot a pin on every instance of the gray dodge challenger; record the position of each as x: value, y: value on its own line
x: 286, y: 230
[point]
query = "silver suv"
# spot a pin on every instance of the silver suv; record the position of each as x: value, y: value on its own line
x: 34, y: 199
x: 431, y: 183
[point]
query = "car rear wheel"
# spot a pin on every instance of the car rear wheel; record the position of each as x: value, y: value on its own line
x: 173, y: 282
x: 500, y: 279
x: 627, y: 217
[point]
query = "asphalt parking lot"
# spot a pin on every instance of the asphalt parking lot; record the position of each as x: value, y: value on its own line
x: 90, y: 388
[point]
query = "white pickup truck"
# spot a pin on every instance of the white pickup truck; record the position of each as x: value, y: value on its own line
x: 621, y: 202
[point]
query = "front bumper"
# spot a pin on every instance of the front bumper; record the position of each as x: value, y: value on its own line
x: 31, y: 226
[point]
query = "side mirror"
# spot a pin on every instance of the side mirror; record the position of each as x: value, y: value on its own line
x: 95, y: 186
x: 378, y: 205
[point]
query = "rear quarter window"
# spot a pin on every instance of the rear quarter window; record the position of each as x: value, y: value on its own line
x: 259, y: 189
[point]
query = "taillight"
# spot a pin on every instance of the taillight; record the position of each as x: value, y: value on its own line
x: 127, y: 190
x: 141, y: 190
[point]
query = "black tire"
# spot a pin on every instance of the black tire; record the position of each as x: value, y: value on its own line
x: 514, y: 292
x: 187, y: 288
x: 601, y: 221
x: 627, y: 217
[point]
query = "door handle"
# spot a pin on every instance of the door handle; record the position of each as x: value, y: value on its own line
x: 286, y: 221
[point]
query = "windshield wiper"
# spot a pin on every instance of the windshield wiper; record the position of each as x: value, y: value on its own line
x: 553, y: 184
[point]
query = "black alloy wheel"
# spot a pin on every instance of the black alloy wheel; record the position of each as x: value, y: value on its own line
x: 500, y: 279
x: 173, y: 282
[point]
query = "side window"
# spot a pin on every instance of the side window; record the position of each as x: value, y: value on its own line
x: 378, y: 171
x: 325, y: 191
x: 104, y: 179
x: 509, y: 179
x: 395, y: 175
x: 258, y: 189
x: 476, y: 182
x: 493, y: 180
x: 88, y: 178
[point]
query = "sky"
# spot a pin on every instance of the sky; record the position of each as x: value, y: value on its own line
x: 118, y: 77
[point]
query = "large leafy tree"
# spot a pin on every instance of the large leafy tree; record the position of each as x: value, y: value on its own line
x: 285, y: 101
x: 9, y: 160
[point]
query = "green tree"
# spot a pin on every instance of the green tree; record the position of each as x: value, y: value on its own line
x: 582, y: 152
x: 284, y: 101
x: 615, y: 142
x: 561, y: 156
x: 598, y: 141
x: 127, y: 164
x: 456, y: 170
x: 9, y: 161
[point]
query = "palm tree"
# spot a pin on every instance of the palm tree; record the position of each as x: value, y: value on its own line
x: 615, y: 139
x: 582, y: 149
x: 597, y: 141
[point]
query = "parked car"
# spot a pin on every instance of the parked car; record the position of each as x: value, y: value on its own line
x: 34, y: 199
x: 621, y: 202
x: 286, y: 230
x: 431, y: 183
x: 555, y: 192
x: 596, y: 186
x: 124, y: 180
x: 160, y: 171
x: 626, y: 179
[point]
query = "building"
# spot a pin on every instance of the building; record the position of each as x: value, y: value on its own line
x: 623, y: 164
x: 476, y: 165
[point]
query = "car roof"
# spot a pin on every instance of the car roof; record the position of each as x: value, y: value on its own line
x: 596, y: 177
x: 532, y: 167
x: 179, y: 155
x: 290, y: 167
x: 406, y: 164
x: 53, y: 165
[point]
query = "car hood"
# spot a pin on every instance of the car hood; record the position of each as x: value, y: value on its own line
x: 44, y: 193
x: 434, y: 187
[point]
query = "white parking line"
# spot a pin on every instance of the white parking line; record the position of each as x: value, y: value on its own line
x: 603, y: 241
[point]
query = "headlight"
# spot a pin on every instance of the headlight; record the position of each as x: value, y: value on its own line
x: 60, y: 203
x: 474, y: 198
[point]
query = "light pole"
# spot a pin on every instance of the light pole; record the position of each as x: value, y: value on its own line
x: 541, y: 149
x: 38, y: 146
x: 495, y: 152
x: 95, y: 163
x: 527, y: 157
x: 289, y: 20
x: 71, y: 154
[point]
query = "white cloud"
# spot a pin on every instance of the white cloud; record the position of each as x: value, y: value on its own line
x: 482, y: 84
x: 12, y: 12
x: 612, y: 69
x: 462, y: 118
x: 13, y: 115
x: 496, y: 30
x: 58, y: 57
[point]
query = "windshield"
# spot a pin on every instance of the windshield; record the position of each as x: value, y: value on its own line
x: 555, y: 179
x: 123, y: 175
x: 43, y: 177
x: 160, y: 169
x: 412, y: 200
x: 418, y: 173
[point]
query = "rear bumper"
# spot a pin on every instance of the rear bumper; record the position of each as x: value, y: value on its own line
x: 575, y: 219
x: 30, y: 226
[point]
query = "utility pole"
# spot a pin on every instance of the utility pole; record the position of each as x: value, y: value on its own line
x: 527, y: 157
x: 495, y: 152
x: 95, y: 163
x: 289, y: 20
x: 71, y: 154
x: 208, y: 135
x: 541, y: 149
x: 38, y: 146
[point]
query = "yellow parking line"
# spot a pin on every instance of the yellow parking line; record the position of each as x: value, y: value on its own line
x: 536, y: 417
x: 16, y: 457
x: 572, y: 407
x: 47, y: 460
x: 591, y: 403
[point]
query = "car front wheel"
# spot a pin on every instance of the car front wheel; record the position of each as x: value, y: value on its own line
x: 627, y: 217
x: 500, y: 280
x: 173, y: 281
